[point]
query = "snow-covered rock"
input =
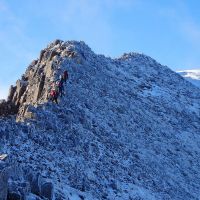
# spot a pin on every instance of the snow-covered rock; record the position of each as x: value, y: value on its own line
x: 15, y: 182
x: 127, y: 128
x: 191, y: 75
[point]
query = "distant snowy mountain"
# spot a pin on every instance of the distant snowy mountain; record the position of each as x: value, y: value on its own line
x: 127, y: 128
x: 191, y: 75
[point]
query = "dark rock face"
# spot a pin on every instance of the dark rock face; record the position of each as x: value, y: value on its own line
x: 47, y: 190
x: 35, y: 183
x: 21, y: 88
x: 15, y: 184
x: 8, y: 108
x: 18, y: 188
x: 3, y: 185
x: 14, y: 196
x: 33, y: 87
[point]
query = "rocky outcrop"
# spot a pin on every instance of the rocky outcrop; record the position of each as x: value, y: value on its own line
x: 47, y: 190
x: 8, y: 108
x: 33, y: 87
x: 17, y: 184
x: 3, y: 184
x: 18, y: 95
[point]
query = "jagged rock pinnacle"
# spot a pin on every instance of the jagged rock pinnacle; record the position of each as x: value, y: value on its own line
x: 32, y: 88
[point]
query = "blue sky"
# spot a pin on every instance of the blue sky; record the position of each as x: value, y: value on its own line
x: 167, y: 30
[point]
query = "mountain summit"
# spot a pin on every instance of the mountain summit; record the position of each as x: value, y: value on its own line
x: 126, y: 128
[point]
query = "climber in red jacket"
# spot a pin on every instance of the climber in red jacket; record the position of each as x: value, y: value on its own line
x: 54, y: 96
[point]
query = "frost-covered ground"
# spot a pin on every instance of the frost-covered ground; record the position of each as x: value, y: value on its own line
x: 191, y: 75
x: 127, y: 128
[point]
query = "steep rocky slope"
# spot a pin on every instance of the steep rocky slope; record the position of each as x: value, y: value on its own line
x: 127, y: 128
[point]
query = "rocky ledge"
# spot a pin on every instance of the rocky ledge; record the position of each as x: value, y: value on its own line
x: 17, y: 183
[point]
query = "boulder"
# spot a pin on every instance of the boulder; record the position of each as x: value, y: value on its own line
x: 17, y: 183
x: 3, y: 184
x: 25, y: 112
x: 47, y: 190
x: 18, y: 189
x: 31, y: 196
x: 3, y: 157
x: 20, y: 89
x: 14, y: 196
x: 35, y: 180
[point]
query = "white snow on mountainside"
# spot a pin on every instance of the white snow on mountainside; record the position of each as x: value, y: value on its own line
x: 126, y: 129
x: 191, y: 75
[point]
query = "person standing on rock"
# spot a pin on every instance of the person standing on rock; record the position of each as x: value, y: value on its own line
x: 53, y: 85
x: 53, y: 92
x: 65, y: 76
x: 54, y: 96
x: 57, y: 87
x: 60, y: 86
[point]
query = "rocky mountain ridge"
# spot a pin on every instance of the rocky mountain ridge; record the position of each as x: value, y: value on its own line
x: 127, y: 128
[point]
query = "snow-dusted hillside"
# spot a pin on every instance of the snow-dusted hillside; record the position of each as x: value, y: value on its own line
x: 191, y: 75
x: 127, y: 128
